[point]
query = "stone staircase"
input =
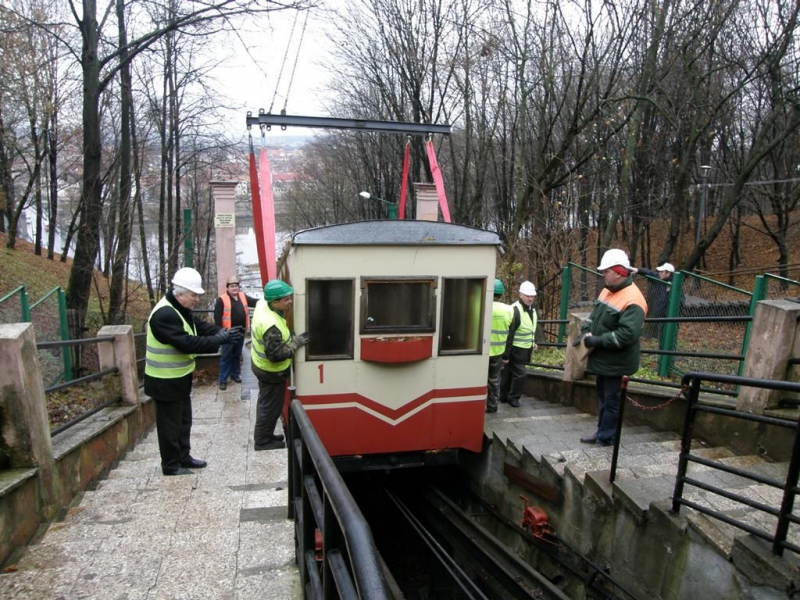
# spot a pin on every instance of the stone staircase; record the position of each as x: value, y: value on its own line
x: 544, y: 439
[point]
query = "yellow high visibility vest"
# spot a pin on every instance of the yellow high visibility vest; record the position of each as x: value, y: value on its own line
x: 264, y: 318
x: 162, y: 360
x: 502, y: 317
x: 523, y: 337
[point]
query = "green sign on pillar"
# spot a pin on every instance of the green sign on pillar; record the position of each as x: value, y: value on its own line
x: 188, y: 245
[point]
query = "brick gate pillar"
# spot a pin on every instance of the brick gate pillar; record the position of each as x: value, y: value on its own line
x: 224, y: 193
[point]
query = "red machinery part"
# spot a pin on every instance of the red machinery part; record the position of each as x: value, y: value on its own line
x: 534, y: 519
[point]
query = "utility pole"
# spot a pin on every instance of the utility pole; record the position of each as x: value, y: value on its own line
x: 701, y: 213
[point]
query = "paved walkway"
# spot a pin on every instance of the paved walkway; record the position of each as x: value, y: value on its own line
x: 219, y: 534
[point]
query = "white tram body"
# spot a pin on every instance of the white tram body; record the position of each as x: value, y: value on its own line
x: 399, y: 314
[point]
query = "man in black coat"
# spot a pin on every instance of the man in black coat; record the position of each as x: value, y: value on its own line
x: 174, y: 337
x: 657, y: 294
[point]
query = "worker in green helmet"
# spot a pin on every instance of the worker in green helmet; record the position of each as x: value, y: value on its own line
x: 502, y: 315
x: 273, y: 347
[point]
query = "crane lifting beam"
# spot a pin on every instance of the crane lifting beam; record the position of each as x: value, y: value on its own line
x: 359, y: 124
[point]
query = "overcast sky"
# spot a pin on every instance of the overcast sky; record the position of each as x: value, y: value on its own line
x: 250, y: 76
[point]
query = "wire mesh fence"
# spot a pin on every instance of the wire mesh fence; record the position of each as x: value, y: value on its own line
x: 700, y: 297
x: 47, y: 319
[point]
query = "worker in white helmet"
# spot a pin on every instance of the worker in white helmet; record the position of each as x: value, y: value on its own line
x: 174, y: 338
x: 612, y: 333
x: 657, y: 295
x: 520, y: 345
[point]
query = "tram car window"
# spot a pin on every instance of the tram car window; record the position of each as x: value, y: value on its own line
x: 399, y: 317
x: 462, y: 316
x: 398, y: 305
x: 330, y: 319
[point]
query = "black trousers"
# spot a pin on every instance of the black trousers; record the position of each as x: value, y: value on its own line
x: 512, y: 383
x: 271, y: 392
x: 174, y: 426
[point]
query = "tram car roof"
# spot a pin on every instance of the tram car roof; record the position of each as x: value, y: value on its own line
x: 397, y: 232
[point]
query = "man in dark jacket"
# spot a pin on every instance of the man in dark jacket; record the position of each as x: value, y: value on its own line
x: 612, y: 333
x: 230, y: 310
x: 174, y: 338
x: 519, y: 346
x: 657, y: 295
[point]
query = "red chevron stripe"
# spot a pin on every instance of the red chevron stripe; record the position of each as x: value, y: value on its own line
x: 385, y: 410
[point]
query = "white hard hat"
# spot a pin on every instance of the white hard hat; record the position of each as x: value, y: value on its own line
x: 614, y: 257
x: 190, y: 279
x: 527, y: 288
x: 666, y: 267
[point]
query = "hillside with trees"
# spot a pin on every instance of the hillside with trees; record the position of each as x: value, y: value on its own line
x: 660, y: 127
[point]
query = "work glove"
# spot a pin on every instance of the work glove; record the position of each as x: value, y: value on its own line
x: 223, y: 335
x: 590, y: 341
x: 299, y: 341
x: 236, y: 335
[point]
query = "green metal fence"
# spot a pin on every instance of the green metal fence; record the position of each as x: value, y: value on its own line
x: 49, y: 316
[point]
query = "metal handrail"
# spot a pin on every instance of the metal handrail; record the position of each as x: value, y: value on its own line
x: 319, y: 499
x: 691, y: 383
x: 80, y: 342
x: 86, y: 415
x: 79, y: 380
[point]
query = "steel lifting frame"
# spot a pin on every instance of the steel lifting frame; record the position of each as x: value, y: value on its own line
x: 285, y: 121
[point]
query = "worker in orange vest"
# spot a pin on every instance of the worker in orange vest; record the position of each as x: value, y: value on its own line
x: 230, y: 311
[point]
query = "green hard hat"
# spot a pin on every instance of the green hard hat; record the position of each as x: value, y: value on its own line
x: 499, y: 288
x: 277, y: 289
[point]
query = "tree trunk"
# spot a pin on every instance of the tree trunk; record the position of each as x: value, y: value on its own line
x: 88, y: 242
x: 116, y: 314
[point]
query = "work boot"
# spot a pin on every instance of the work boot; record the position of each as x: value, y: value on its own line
x: 223, y: 385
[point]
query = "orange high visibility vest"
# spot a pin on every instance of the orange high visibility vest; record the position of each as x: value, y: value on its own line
x: 226, y: 310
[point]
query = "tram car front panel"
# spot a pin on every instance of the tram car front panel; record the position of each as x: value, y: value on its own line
x: 399, y: 314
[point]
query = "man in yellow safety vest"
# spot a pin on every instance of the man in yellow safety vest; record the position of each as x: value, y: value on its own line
x: 502, y: 316
x: 520, y: 345
x: 174, y: 338
x: 273, y: 347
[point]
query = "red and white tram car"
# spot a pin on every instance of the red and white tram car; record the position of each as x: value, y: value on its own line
x: 399, y: 314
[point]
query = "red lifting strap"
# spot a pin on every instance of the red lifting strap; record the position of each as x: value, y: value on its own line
x: 404, y: 181
x: 437, y: 179
x: 257, y: 224
x: 267, y: 216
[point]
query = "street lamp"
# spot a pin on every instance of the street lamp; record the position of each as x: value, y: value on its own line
x: 392, y: 210
x: 704, y: 171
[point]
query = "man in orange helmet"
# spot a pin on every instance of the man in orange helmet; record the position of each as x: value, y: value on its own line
x: 230, y: 311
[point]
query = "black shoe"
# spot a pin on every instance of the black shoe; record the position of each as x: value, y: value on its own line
x: 223, y: 385
x: 194, y: 463
x: 491, y: 409
x: 236, y: 378
x: 179, y: 471
x: 277, y: 437
x: 604, y: 443
x: 590, y: 439
x: 272, y: 445
x: 514, y: 403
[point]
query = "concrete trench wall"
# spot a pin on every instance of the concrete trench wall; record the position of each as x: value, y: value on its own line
x: 46, y: 473
x: 656, y: 557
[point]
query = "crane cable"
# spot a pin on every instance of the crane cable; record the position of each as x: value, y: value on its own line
x: 283, y: 64
x: 294, y: 66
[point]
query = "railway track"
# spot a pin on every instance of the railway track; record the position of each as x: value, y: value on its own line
x: 456, y: 529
